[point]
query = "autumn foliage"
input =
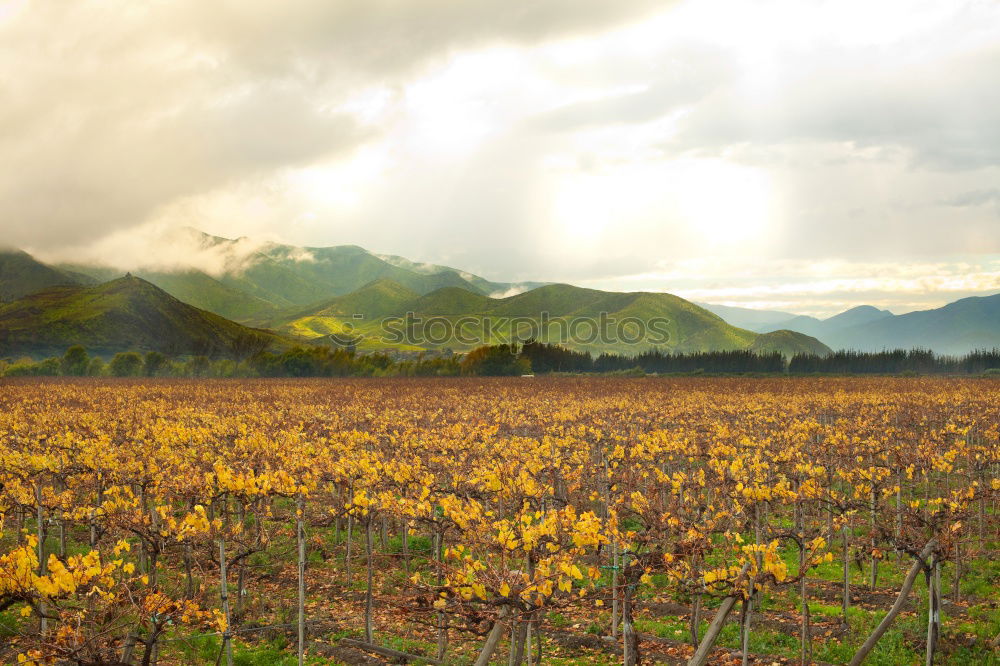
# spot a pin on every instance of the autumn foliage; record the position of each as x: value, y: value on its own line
x: 537, y: 495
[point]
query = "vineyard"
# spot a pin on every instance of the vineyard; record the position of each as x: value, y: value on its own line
x: 500, y: 521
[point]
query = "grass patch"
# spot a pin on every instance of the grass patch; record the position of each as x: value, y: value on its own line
x: 671, y: 627
x: 205, y: 650
x: 10, y: 622
x: 558, y: 620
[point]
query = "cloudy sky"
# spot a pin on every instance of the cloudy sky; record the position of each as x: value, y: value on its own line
x: 803, y: 155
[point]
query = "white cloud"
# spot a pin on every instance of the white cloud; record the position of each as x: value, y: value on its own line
x: 159, y: 247
x: 507, y: 293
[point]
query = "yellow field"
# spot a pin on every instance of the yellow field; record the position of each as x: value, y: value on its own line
x: 571, y: 520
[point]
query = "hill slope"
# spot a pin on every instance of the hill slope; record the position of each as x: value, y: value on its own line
x: 583, y: 319
x: 380, y: 298
x: 127, y: 313
x: 21, y: 274
x: 788, y: 343
x: 207, y: 293
x: 449, y: 301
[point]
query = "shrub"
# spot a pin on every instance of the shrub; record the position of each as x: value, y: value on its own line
x: 152, y: 363
x: 125, y: 364
x: 97, y: 367
x: 75, y: 361
x: 496, y: 361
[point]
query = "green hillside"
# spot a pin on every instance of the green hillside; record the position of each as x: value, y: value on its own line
x: 203, y: 291
x: 127, y: 313
x: 558, y: 313
x: 556, y: 299
x: 450, y: 301
x: 694, y: 328
x: 21, y: 274
x: 376, y: 299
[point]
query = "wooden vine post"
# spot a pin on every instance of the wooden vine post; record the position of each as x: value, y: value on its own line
x: 300, y: 531
x: 227, y: 644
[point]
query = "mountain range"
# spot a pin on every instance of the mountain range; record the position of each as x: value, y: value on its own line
x: 240, y: 290
x: 254, y: 281
x: 956, y: 328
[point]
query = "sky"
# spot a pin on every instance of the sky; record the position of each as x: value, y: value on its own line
x: 801, y: 155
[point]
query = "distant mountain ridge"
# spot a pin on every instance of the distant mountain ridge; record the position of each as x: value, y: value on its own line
x: 957, y: 328
x: 831, y: 326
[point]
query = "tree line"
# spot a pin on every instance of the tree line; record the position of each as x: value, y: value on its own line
x: 553, y: 358
x: 501, y: 360
x: 896, y: 361
x: 295, y: 362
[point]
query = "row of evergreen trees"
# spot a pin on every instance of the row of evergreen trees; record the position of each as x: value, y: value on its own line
x: 543, y: 358
x: 499, y: 360
x: 896, y: 361
x: 733, y: 361
x: 553, y: 358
